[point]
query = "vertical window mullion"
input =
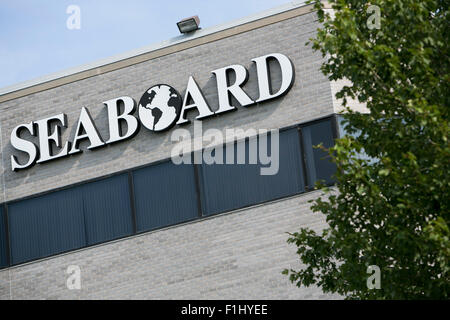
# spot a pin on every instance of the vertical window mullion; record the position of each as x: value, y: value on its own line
x: 132, y: 201
x: 306, y: 176
x: 7, y: 238
x: 198, y: 189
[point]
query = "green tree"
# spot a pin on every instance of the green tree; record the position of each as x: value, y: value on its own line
x: 390, y: 209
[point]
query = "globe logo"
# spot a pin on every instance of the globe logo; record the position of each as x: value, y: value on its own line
x: 159, y: 107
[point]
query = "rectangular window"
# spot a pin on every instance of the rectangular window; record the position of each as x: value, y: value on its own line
x: 230, y: 186
x: 46, y: 225
x: 70, y: 219
x: 165, y: 194
x: 3, y: 244
x: 318, y: 162
x: 107, y: 209
x: 343, y: 132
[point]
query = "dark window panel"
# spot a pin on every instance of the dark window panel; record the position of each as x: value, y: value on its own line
x: 3, y: 244
x: 164, y: 195
x: 107, y: 209
x: 46, y: 225
x: 230, y: 186
x: 318, y: 162
x: 343, y: 132
x: 70, y: 219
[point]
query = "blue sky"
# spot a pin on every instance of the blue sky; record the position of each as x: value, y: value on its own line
x: 35, y: 41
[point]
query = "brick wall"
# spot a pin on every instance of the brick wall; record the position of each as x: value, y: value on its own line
x: 309, y: 98
x: 238, y: 255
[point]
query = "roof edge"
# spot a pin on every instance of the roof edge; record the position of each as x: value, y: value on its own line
x: 179, y: 43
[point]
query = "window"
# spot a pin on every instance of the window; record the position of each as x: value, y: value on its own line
x: 46, y: 225
x: 107, y: 209
x: 343, y: 132
x: 70, y: 219
x: 318, y: 162
x: 3, y: 245
x: 165, y: 194
x: 229, y: 186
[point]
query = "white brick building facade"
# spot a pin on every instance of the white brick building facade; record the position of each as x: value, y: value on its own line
x: 233, y: 255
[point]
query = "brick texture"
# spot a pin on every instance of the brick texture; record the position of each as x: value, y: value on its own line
x: 309, y: 98
x: 239, y: 255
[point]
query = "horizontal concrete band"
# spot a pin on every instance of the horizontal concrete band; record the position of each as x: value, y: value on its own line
x: 158, y: 53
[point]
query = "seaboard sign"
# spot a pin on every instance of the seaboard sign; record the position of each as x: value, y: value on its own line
x: 160, y: 108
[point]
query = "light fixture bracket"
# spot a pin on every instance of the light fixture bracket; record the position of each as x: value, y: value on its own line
x: 189, y: 24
